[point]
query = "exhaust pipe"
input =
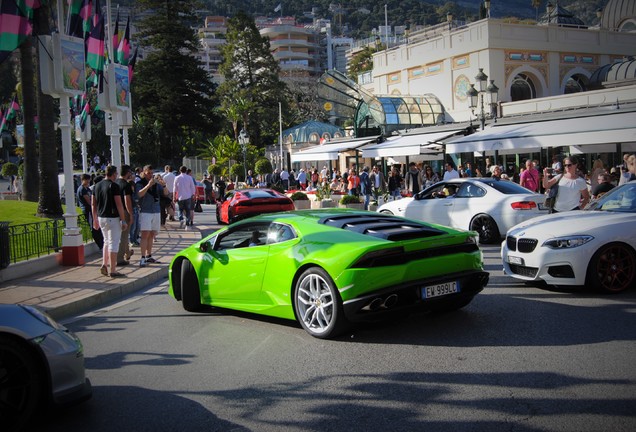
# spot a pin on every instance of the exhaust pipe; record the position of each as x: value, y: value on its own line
x: 390, y: 301
x: 376, y: 304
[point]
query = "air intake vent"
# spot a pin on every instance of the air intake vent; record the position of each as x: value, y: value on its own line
x: 381, y: 226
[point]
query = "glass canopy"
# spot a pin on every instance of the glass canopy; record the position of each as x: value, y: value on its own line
x: 373, y: 114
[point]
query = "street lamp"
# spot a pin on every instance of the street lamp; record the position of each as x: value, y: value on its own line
x: 244, y: 140
x: 449, y: 19
x: 476, y: 100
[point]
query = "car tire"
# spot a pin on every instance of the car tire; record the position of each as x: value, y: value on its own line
x: 190, y: 291
x: 318, y: 305
x: 21, y: 384
x: 612, y: 268
x: 487, y: 229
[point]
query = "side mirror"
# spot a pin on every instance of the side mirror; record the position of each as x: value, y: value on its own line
x: 206, y: 246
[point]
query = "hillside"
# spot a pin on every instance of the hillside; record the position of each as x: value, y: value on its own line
x: 358, y: 18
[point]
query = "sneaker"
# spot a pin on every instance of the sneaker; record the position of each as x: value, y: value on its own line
x: 103, y: 270
x: 181, y: 223
x: 128, y: 255
x: 117, y: 275
x: 151, y: 260
x: 142, y: 262
x: 136, y: 244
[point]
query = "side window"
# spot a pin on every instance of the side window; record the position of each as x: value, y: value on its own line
x: 244, y: 236
x: 468, y: 190
x: 279, y: 233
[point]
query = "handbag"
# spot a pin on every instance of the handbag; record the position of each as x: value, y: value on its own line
x: 198, y: 208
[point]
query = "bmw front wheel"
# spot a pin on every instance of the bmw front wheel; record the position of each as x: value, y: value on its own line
x: 318, y: 305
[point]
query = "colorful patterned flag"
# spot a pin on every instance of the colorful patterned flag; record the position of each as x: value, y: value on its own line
x: 122, y: 51
x: 131, y: 66
x: 95, y: 58
x: 16, y: 18
x: 10, y: 113
x: 116, y: 33
x: 79, y: 20
x: 85, y: 111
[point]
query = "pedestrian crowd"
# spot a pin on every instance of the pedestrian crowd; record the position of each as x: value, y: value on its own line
x: 126, y: 208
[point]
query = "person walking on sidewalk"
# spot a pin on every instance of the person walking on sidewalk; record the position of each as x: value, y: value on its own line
x: 84, y: 200
x: 167, y: 211
x: 109, y: 215
x: 150, y: 193
x: 184, y: 191
x: 125, y: 251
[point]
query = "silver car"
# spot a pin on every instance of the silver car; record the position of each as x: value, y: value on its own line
x: 41, y: 362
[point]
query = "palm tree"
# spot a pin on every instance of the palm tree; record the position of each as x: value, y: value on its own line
x: 49, y: 204
x: 27, y: 71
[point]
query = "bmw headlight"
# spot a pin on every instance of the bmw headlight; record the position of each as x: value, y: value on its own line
x: 567, y: 242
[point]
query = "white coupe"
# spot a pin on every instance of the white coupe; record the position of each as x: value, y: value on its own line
x: 595, y: 247
x: 486, y: 205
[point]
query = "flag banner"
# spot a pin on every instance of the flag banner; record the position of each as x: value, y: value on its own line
x: 15, y: 24
x: 278, y: 8
x: 116, y: 32
x: 131, y: 66
x: 123, y: 49
x: 95, y: 50
x: 10, y: 113
x: 79, y: 20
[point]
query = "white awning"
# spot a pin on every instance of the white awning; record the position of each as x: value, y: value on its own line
x: 607, y: 128
x: 330, y: 150
x: 410, y: 145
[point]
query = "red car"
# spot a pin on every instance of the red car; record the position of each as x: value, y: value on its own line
x: 243, y: 203
x: 200, y: 196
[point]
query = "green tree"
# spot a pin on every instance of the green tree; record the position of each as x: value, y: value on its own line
x: 31, y: 183
x: 361, y: 62
x: 170, y: 85
x: 251, y: 73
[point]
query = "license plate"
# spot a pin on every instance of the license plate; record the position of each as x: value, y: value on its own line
x: 515, y: 260
x: 440, y: 289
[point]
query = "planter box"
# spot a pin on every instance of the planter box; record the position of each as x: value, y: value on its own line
x: 322, y: 204
x: 302, y: 204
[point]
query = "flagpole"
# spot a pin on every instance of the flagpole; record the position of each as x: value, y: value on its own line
x: 115, y: 136
x: 280, y: 133
x: 72, y: 242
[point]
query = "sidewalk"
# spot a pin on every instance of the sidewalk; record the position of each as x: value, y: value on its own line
x: 65, y: 291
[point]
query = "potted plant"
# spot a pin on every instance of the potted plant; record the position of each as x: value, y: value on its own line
x: 377, y: 194
x: 323, y: 197
x: 351, y: 201
x: 301, y: 200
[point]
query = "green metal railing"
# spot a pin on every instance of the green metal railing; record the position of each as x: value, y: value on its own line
x: 33, y: 240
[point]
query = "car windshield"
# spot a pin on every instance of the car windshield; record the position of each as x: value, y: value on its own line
x: 620, y: 199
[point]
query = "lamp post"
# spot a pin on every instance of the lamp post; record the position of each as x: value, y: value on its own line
x: 244, y: 140
x: 449, y: 19
x: 477, y: 96
x: 477, y: 99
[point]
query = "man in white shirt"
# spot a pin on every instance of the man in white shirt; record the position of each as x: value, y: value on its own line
x: 184, y: 192
x: 284, y: 177
x: 168, y: 178
x: 450, y: 172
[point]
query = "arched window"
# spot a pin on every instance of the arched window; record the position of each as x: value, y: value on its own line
x: 314, y: 137
x: 576, y: 84
x: 522, y: 88
x: 628, y: 26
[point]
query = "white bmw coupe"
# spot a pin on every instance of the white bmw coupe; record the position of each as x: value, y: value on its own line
x: 486, y: 205
x: 595, y: 247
